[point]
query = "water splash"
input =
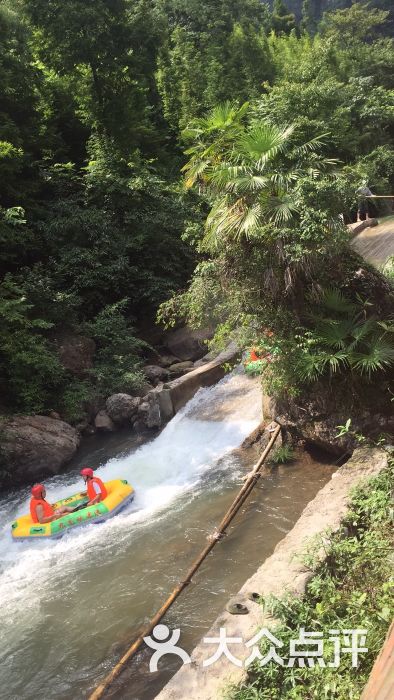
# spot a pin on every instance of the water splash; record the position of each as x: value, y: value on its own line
x: 161, y: 471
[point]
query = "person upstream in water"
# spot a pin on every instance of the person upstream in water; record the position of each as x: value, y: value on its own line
x: 95, y: 488
x: 40, y: 510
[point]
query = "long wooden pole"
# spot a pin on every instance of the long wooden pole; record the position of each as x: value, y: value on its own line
x: 230, y: 514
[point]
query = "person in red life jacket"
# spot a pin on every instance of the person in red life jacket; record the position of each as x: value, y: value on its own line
x: 40, y: 510
x: 253, y: 357
x: 95, y: 488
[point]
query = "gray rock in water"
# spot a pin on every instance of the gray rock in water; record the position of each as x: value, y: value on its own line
x: 122, y: 407
x: 104, y: 423
x: 153, y: 417
x: 148, y: 413
x: 143, y: 408
x: 36, y: 446
x: 165, y: 404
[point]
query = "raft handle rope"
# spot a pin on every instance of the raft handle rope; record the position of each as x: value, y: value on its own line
x: 237, y: 503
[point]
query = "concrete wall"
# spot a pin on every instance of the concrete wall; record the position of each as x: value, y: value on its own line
x: 172, y: 396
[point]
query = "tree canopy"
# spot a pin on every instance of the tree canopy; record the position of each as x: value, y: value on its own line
x: 99, y: 102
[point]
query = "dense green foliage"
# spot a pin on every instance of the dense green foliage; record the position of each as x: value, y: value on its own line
x: 279, y: 196
x: 97, y: 102
x: 351, y: 589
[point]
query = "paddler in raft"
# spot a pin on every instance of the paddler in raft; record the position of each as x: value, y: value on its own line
x: 40, y: 510
x: 96, y: 490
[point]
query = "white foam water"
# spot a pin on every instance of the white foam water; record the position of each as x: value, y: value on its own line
x: 32, y: 574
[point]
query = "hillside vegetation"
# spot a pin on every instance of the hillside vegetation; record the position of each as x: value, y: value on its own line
x: 275, y: 114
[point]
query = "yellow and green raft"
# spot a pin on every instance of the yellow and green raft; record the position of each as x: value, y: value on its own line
x: 119, y: 491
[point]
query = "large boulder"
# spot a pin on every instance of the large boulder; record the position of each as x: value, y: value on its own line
x: 149, y: 415
x: 187, y: 344
x: 34, y: 447
x: 155, y: 374
x: 121, y: 408
x: 104, y: 423
x: 316, y: 415
x: 167, y: 360
x: 76, y: 354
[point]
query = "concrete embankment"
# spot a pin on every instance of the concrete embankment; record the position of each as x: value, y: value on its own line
x: 167, y: 399
x: 281, y: 573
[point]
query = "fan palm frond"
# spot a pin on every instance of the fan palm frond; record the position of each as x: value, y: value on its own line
x: 311, y: 367
x: 224, y: 174
x: 338, y: 359
x: 387, y: 325
x: 282, y: 180
x: 314, y: 365
x: 331, y: 332
x: 334, y: 300
x: 219, y: 118
x: 378, y: 356
x: 194, y: 170
x: 310, y: 146
x: 248, y: 183
x: 279, y: 209
x: 314, y: 173
x: 361, y: 330
x: 232, y: 219
x: 263, y: 142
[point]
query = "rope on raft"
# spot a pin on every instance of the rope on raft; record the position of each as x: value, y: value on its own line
x: 219, y: 532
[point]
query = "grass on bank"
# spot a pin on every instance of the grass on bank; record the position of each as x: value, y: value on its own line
x: 353, y: 588
x: 283, y: 455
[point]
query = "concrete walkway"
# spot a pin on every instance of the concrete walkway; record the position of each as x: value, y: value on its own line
x: 376, y: 244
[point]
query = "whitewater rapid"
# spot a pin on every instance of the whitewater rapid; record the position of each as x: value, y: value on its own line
x: 34, y: 575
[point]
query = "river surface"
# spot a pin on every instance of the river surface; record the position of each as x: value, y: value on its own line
x: 70, y: 607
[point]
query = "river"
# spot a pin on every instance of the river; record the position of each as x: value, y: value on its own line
x: 69, y: 607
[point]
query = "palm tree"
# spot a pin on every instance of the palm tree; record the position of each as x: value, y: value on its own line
x: 251, y: 173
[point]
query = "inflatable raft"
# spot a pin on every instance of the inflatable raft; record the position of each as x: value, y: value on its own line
x: 120, y: 493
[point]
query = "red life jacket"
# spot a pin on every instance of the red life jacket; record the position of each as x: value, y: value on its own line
x: 91, y: 491
x: 48, y: 510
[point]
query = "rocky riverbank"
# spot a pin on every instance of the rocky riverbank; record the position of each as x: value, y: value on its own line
x: 34, y: 447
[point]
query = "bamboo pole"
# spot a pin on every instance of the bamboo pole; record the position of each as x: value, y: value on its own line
x: 225, y: 522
